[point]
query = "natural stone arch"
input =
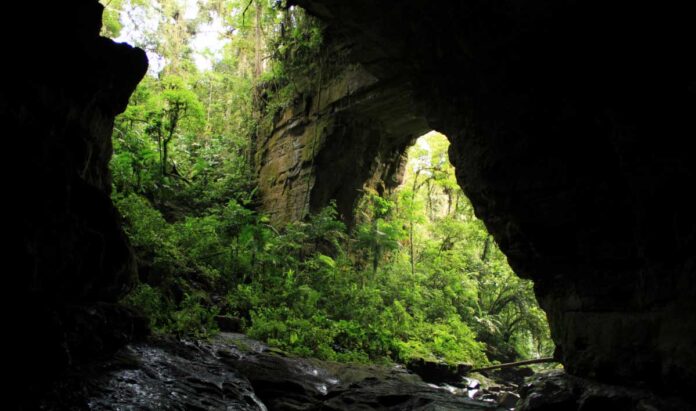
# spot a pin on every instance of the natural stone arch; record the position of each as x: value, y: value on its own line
x: 554, y: 143
x: 350, y: 132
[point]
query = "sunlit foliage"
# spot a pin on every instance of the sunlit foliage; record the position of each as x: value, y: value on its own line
x: 417, y: 276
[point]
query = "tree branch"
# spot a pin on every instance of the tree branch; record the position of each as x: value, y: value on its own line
x: 245, y: 10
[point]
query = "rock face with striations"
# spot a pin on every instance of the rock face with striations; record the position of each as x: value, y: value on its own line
x: 346, y: 132
x: 568, y: 122
x: 62, y: 87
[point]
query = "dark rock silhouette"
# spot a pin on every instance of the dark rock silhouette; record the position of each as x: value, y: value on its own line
x: 69, y: 258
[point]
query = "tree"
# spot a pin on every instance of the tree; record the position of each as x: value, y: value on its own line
x: 377, y: 235
x: 175, y: 109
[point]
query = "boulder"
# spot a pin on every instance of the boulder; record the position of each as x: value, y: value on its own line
x: 438, y: 372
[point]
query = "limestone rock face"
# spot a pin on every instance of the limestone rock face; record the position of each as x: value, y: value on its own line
x: 62, y: 86
x: 569, y: 124
x: 349, y: 131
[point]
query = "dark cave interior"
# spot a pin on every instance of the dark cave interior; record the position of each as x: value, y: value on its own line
x: 570, y: 126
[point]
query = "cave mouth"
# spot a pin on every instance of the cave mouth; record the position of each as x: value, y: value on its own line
x: 415, y: 269
x: 448, y: 248
x: 527, y: 96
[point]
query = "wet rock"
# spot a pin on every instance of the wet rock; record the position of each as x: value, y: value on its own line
x: 234, y: 372
x: 161, y: 374
x: 508, y: 400
x: 100, y: 329
x: 438, y: 372
x: 557, y: 390
x: 552, y: 392
x: 392, y: 394
x: 510, y: 377
x: 472, y: 383
x: 228, y: 324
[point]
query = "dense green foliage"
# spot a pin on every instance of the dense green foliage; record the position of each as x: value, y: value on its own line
x: 418, y: 275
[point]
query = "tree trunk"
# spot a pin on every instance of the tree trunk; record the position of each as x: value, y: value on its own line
x: 257, y: 70
x: 165, y: 153
x: 486, y: 248
x: 257, y: 41
x: 413, y: 259
x: 410, y: 234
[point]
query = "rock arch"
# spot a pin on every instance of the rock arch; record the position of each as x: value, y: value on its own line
x: 568, y: 126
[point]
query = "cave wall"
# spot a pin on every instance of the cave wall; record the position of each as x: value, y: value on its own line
x: 69, y: 259
x: 570, y: 125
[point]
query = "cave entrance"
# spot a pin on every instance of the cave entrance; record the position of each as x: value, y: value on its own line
x: 446, y: 256
x: 416, y: 276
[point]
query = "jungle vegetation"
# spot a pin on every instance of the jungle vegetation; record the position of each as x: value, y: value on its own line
x: 416, y: 276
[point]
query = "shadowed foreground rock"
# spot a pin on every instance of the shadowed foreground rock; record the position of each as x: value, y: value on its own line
x: 557, y: 391
x: 236, y: 373
x: 69, y: 257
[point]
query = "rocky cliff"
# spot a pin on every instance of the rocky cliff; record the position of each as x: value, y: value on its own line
x: 339, y: 135
x: 569, y: 125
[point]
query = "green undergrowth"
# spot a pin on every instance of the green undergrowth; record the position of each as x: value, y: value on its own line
x: 417, y: 276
